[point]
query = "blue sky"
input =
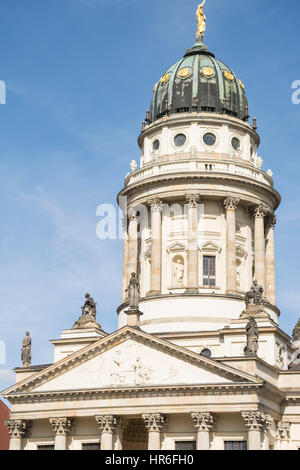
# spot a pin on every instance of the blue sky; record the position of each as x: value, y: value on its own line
x: 80, y: 75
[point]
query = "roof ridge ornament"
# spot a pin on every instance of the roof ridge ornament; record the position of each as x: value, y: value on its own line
x: 201, y: 20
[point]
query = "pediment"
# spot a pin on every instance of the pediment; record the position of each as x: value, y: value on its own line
x: 210, y: 247
x: 176, y: 247
x: 130, y: 358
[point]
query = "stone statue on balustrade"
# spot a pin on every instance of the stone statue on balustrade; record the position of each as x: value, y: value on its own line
x: 252, y: 333
x: 255, y: 302
x: 88, y: 316
x: 26, y: 350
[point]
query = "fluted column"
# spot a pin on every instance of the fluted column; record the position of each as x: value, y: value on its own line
x: 154, y: 423
x: 270, y: 262
x: 132, y: 243
x: 107, y: 425
x: 192, y: 249
x: 260, y: 270
x: 125, y: 281
x: 256, y: 422
x: 204, y: 423
x: 156, y: 245
x: 17, y: 430
x: 62, y: 428
x: 231, y: 204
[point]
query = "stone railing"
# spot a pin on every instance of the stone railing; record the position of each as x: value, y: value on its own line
x: 199, y: 166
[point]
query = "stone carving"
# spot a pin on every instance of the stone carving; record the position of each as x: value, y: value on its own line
x: 133, y: 293
x: 231, y: 203
x: 18, y: 428
x: 259, y: 163
x: 284, y: 430
x: 154, y: 421
x: 133, y: 372
x: 132, y: 214
x: 203, y: 421
x: 257, y: 420
x: 155, y: 204
x: 107, y: 423
x: 88, y: 316
x: 178, y: 271
x: 133, y: 165
x: 270, y: 173
x: 255, y: 295
x: 192, y: 200
x: 296, y: 332
x: 271, y: 222
x: 61, y: 426
x: 252, y: 338
x: 26, y: 350
x: 261, y: 211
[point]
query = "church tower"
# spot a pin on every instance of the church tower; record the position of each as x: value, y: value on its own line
x: 200, y: 209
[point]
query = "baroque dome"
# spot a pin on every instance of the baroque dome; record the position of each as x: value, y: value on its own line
x: 199, y: 83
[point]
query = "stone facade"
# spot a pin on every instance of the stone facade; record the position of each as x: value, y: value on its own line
x: 4, y: 436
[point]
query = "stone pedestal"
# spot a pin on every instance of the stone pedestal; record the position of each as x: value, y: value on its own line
x: 133, y: 318
x: 192, y: 249
x: 62, y: 428
x: 17, y: 429
x: 204, y: 423
x: 107, y: 425
x: 154, y: 423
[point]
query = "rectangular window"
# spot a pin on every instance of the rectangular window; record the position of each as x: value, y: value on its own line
x: 91, y: 446
x: 45, y: 447
x: 185, y: 445
x: 209, y: 271
x: 235, y: 445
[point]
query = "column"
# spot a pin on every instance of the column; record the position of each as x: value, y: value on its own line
x: 270, y: 262
x: 284, y: 431
x: 107, y: 425
x: 204, y: 423
x: 17, y: 429
x: 156, y: 245
x: 260, y: 272
x: 132, y: 243
x: 231, y: 204
x: 192, y: 249
x: 256, y: 422
x: 154, y: 423
x: 125, y: 281
x: 62, y: 428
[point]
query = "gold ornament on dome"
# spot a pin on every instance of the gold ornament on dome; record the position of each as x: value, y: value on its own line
x: 229, y: 76
x: 184, y: 73
x: 165, y: 78
x: 241, y: 84
x: 201, y: 20
x: 207, y: 72
x: 155, y: 86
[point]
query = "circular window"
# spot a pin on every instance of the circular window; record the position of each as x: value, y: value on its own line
x: 236, y: 143
x: 156, y: 144
x: 180, y: 140
x: 206, y: 352
x: 209, y: 139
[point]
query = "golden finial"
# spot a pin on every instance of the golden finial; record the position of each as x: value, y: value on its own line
x: 201, y: 20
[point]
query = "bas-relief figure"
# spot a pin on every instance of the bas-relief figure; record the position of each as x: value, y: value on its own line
x: 252, y: 338
x: 26, y: 350
x: 126, y: 370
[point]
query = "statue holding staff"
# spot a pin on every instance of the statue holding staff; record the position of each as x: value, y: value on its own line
x: 201, y: 19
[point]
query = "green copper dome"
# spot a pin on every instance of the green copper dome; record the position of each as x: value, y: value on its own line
x: 199, y: 83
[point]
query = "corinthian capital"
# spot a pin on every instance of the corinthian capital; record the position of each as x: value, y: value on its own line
x: 17, y: 428
x: 231, y: 203
x: 257, y: 420
x: 154, y: 421
x: 261, y: 211
x: 272, y: 221
x: 107, y: 423
x: 61, y: 426
x: 284, y: 430
x: 203, y: 421
x: 132, y: 214
x: 192, y: 199
x: 156, y: 204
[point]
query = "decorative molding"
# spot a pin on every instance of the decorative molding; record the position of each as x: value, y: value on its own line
x: 192, y: 200
x: 18, y: 428
x: 107, y: 423
x: 257, y: 420
x: 156, y: 204
x: 210, y: 247
x: 154, y: 421
x: 261, y: 211
x: 231, y: 203
x: 61, y: 426
x: 284, y: 430
x: 204, y: 421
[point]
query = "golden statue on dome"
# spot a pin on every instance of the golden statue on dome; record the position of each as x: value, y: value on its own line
x: 201, y: 19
